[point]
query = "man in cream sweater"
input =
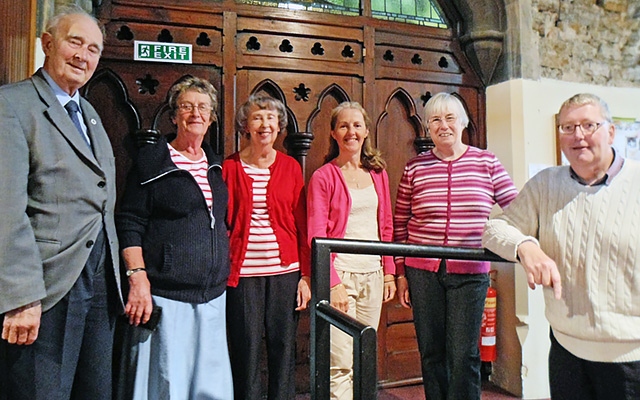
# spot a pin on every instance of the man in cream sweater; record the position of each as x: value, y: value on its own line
x: 576, y: 231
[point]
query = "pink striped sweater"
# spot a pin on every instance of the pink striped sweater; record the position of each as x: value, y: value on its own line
x: 447, y: 203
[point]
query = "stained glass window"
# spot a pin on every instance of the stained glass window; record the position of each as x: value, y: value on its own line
x: 419, y: 12
x: 341, y: 7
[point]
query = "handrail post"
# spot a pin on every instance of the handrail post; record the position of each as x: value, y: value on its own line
x: 322, y: 315
x: 320, y: 328
x: 365, y: 371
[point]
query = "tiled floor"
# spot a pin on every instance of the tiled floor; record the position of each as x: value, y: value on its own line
x: 489, y: 392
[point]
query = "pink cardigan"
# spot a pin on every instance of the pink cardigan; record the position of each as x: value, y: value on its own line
x: 329, y: 205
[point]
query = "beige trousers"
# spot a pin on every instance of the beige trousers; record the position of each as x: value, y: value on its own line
x: 365, y: 292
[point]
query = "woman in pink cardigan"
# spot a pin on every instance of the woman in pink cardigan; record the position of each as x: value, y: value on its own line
x: 348, y: 197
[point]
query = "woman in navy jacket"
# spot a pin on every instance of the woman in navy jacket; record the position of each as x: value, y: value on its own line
x: 175, y: 247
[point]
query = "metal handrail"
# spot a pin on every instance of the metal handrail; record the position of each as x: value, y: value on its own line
x: 364, y: 337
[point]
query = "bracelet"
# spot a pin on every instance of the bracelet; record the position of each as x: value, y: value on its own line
x: 401, y: 277
x: 336, y: 286
x: 133, y: 271
x: 389, y: 280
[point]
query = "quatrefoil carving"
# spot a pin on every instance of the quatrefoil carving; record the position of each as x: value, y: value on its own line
x: 124, y: 33
x: 165, y: 36
x: 253, y: 43
x: 147, y: 84
x: 348, y: 52
x: 317, y: 49
x: 203, y: 39
x: 286, y: 46
x: 425, y: 97
x: 302, y: 92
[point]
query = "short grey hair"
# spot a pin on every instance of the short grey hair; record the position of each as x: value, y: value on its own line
x: 261, y: 102
x: 187, y: 83
x: 445, y: 103
x: 582, y: 99
x: 63, y: 13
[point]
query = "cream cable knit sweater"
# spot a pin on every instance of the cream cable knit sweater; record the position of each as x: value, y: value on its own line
x: 593, y: 234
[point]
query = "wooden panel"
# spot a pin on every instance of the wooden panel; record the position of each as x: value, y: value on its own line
x: 299, y: 48
x: 420, y: 60
x: 285, y: 64
x: 425, y: 61
x: 403, y: 358
x: 300, y: 54
x: 299, y: 29
x: 124, y: 95
x: 311, y: 113
x: 17, y: 30
x: 441, y: 41
x: 207, y: 43
x: 186, y: 12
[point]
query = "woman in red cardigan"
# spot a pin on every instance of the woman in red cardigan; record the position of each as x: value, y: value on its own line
x: 270, y: 266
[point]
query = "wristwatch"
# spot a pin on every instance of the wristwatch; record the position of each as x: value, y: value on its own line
x: 133, y: 271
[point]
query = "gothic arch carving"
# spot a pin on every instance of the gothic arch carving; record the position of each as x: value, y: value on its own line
x: 162, y: 119
x: 422, y: 141
x: 471, y: 129
x: 332, y: 90
x: 272, y: 89
x: 111, y: 79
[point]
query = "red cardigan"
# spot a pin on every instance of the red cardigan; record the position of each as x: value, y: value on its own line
x: 286, y: 202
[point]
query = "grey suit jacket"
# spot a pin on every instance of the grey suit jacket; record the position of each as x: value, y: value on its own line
x: 55, y: 195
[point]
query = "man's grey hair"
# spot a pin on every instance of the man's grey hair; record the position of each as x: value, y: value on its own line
x: 63, y: 12
x: 582, y: 99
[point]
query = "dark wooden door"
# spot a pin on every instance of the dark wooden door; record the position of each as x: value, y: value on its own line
x: 310, y: 61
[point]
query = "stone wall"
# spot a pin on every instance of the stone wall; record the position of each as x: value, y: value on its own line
x: 588, y: 41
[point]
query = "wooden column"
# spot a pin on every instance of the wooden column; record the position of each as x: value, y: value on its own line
x: 17, y: 40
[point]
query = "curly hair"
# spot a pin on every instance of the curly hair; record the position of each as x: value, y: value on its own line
x: 370, y: 157
x: 187, y: 83
x: 260, y: 102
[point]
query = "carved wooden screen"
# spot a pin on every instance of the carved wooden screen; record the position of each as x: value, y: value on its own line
x: 312, y: 62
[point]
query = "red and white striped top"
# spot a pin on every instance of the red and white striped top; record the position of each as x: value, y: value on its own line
x: 197, y: 169
x: 262, y: 257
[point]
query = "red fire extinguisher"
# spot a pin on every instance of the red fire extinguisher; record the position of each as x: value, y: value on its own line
x: 488, y: 328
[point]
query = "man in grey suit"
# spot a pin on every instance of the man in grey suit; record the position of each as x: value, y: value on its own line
x: 59, y: 269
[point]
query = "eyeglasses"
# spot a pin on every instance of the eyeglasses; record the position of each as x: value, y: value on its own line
x: 438, y: 121
x: 188, y: 107
x: 588, y: 128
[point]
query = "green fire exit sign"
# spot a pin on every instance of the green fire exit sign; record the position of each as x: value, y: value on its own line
x: 162, y: 52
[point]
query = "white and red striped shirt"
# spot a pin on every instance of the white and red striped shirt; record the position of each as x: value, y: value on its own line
x: 262, y: 257
x: 197, y: 169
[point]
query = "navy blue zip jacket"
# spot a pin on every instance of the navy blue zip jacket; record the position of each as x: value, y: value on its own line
x: 185, y: 247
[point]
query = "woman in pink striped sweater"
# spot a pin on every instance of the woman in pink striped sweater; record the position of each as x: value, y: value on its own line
x: 444, y: 198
